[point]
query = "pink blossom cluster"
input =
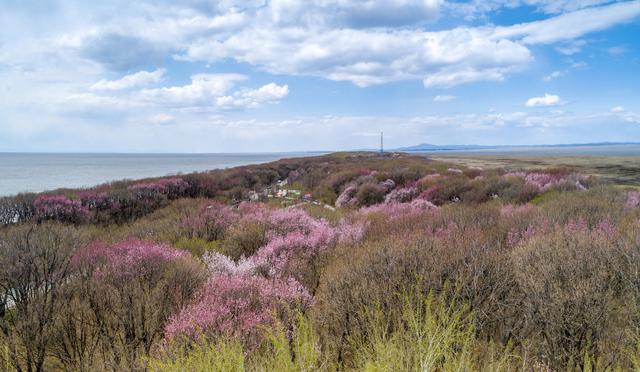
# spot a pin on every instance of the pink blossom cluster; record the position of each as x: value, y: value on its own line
x: 171, y: 187
x: 430, y: 193
x: 388, y: 184
x: 347, y: 197
x: 603, y: 228
x: 129, y: 257
x: 401, y: 195
x: 60, y: 208
x: 211, y: 221
x: 544, y: 181
x: 349, y: 233
x: 241, y: 295
x: 236, y: 305
x: 399, y: 210
x: 284, y: 221
x: 97, y: 200
x: 218, y: 263
x: 633, y: 199
x: 278, y: 255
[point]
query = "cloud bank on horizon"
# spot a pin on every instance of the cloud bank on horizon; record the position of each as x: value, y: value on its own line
x: 287, y: 75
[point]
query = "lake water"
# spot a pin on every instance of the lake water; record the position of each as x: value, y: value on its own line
x: 40, y: 172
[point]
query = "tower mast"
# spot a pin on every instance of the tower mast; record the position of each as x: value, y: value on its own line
x: 381, y: 143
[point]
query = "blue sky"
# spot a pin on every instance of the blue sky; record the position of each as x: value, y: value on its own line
x: 290, y: 75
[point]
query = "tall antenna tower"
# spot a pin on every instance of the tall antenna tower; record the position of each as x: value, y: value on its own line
x: 381, y: 143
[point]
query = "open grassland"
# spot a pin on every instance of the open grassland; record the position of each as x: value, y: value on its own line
x: 623, y: 170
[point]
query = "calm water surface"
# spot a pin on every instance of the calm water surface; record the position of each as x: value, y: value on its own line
x: 40, y: 172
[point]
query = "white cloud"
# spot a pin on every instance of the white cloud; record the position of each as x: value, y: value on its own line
x: 572, y: 47
x: 443, y: 98
x: 546, y: 100
x: 572, y: 25
x: 381, y: 55
x: 479, y: 8
x: 139, y: 79
x: 250, y: 98
x: 617, y: 109
x: 202, y: 91
x: 366, y: 42
x: 553, y: 75
x: 205, y: 93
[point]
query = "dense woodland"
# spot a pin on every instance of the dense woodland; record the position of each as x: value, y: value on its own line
x: 421, y: 265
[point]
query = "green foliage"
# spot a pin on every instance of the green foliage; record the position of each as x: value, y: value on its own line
x: 431, y: 334
x: 197, y: 246
x: 224, y: 355
x: 279, y: 352
x: 244, y: 239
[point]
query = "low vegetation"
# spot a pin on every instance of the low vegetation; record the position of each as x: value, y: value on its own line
x: 381, y: 264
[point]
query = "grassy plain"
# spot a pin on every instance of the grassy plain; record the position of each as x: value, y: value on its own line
x: 621, y: 170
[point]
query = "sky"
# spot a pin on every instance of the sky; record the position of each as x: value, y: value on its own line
x: 302, y: 75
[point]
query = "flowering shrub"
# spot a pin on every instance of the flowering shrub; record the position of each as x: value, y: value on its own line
x: 211, y: 221
x: 351, y: 232
x: 59, y: 207
x: 399, y: 210
x: 633, y: 199
x: 96, y: 200
x: 236, y: 305
x: 544, y: 181
x: 346, y: 198
x: 218, y: 263
x: 170, y: 187
x: 242, y: 294
x: 401, y: 195
x: 131, y: 257
x: 130, y: 289
x: 388, y: 184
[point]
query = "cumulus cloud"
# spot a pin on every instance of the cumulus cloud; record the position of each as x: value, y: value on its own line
x: 205, y: 93
x: 546, y: 100
x: 250, y: 98
x: 202, y: 91
x: 617, y: 109
x: 443, y: 98
x: 139, y: 79
x: 381, y: 55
